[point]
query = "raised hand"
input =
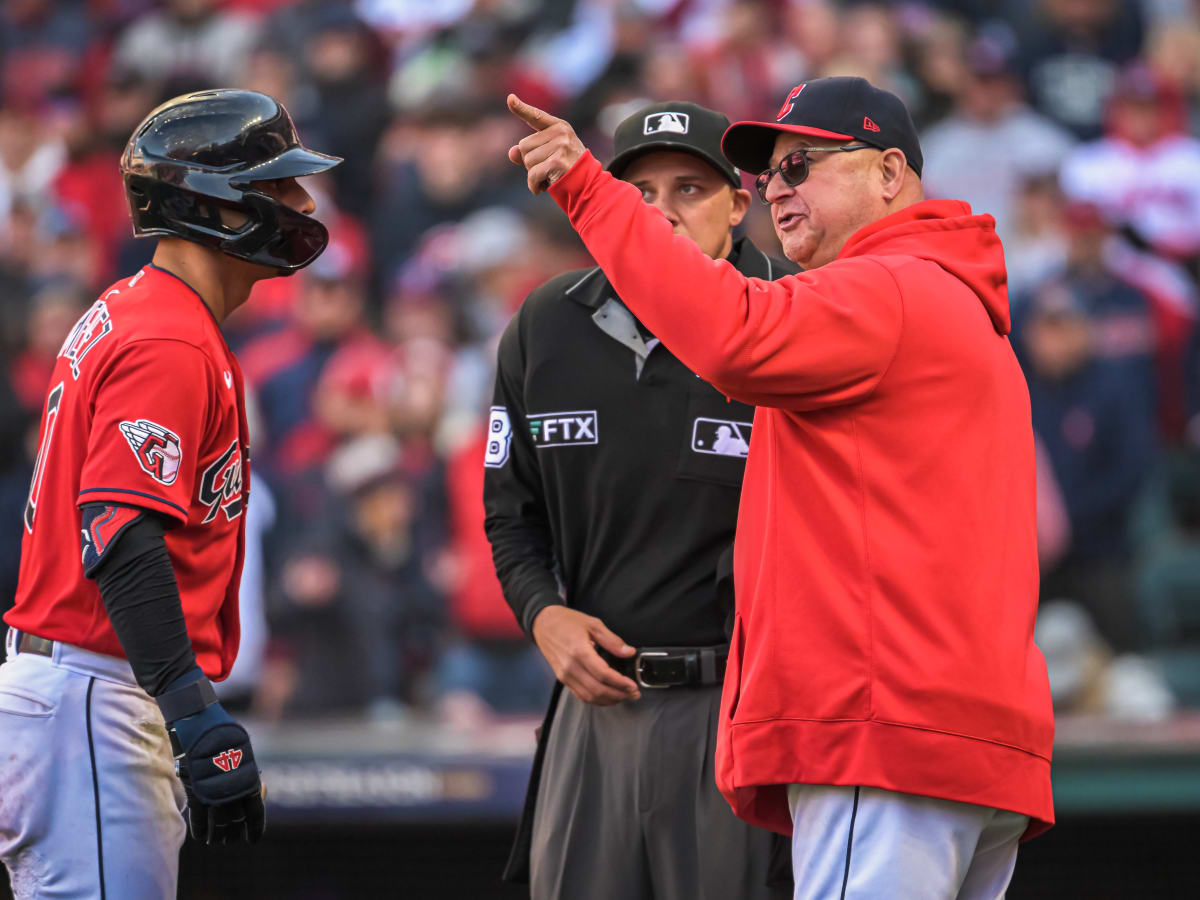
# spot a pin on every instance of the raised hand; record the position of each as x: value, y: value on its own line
x: 550, y: 151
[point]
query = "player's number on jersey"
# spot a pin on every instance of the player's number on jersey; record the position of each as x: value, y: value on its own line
x: 39, y: 467
x: 498, y: 438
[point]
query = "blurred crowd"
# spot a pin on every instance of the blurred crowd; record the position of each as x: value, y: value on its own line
x: 369, y: 589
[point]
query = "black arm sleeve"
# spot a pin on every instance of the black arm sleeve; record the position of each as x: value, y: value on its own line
x: 516, y: 520
x: 141, y: 596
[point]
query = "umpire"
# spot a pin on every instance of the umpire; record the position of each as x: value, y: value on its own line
x: 612, y: 485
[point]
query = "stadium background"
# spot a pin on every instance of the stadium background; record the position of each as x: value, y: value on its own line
x: 390, y: 695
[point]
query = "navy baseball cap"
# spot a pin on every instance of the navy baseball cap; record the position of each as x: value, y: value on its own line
x: 840, y: 108
x: 677, y: 126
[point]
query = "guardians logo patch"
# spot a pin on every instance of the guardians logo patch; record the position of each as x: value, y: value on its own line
x: 156, y: 448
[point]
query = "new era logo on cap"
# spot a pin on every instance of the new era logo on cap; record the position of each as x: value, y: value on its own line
x: 673, y: 122
x: 869, y: 125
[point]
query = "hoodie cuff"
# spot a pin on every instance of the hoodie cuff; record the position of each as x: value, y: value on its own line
x: 572, y: 191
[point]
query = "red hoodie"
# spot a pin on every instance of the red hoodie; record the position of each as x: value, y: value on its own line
x: 886, y: 558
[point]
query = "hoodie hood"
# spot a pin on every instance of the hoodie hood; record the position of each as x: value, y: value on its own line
x: 947, y: 233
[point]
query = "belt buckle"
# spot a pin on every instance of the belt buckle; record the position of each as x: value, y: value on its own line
x: 637, y: 669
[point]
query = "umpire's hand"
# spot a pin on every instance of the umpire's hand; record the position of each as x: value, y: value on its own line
x: 567, y: 639
x: 547, y: 153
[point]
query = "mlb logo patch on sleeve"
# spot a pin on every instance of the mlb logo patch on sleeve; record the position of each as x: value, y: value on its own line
x: 721, y: 437
x: 156, y: 448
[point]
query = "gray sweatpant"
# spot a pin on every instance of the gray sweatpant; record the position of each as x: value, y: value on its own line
x: 628, y: 808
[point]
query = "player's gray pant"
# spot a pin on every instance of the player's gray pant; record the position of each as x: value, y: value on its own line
x: 89, y: 803
x: 628, y: 807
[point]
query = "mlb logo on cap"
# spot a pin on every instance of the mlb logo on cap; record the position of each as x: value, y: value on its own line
x: 673, y: 126
x: 673, y: 122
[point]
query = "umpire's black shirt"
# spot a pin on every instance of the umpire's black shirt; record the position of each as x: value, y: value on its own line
x: 611, y: 467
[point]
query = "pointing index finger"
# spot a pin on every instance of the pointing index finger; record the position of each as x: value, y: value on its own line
x: 537, y: 119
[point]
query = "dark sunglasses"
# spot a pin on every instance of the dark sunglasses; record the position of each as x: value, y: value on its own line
x: 793, y: 168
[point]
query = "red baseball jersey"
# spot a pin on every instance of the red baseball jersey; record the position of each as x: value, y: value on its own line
x: 145, y: 409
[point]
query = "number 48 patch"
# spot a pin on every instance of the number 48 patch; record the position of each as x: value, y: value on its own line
x: 498, y: 439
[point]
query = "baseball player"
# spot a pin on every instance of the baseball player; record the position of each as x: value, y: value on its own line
x: 884, y: 701
x: 134, y: 527
x: 612, y: 468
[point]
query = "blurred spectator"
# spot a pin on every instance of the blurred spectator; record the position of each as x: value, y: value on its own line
x: 95, y: 134
x: 343, y: 60
x: 744, y: 71
x: 16, y: 469
x: 1037, y: 244
x: 992, y: 142
x: 1146, y: 173
x: 1085, y: 676
x: 359, y: 617
x: 1070, y: 53
x: 1053, y: 522
x: 489, y: 666
x: 66, y: 249
x: 1098, y: 433
x: 43, y: 46
x: 1121, y: 322
x: 1169, y: 585
x: 870, y: 46
x: 283, y: 367
x: 237, y: 691
x: 30, y: 158
x: 188, y: 45
x: 451, y: 161
x: 53, y: 311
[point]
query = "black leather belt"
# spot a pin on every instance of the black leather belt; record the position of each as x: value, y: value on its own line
x: 667, y: 667
x: 31, y: 643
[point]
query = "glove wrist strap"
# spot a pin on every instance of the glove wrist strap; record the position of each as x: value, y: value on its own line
x: 187, y: 701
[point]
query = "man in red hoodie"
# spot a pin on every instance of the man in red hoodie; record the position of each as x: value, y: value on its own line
x: 884, y: 700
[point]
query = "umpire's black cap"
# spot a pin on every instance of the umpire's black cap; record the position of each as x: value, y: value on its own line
x: 675, y: 125
x: 840, y: 108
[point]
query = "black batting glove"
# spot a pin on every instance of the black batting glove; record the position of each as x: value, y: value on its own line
x: 215, y: 762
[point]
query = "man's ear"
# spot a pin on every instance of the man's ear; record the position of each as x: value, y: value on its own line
x: 893, y: 169
x: 741, y: 205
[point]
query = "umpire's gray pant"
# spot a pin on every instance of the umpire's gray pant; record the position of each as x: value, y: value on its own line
x: 628, y: 807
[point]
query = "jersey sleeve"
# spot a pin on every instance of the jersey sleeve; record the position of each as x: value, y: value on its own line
x: 149, y: 409
x: 515, y: 507
x: 819, y: 339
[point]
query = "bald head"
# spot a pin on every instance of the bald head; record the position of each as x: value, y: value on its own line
x: 843, y: 193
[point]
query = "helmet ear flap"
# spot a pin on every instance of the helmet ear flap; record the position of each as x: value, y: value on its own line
x: 159, y: 208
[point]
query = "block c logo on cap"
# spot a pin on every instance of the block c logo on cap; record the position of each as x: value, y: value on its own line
x: 787, y: 104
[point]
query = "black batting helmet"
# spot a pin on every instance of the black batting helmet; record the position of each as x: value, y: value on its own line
x: 203, y: 151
